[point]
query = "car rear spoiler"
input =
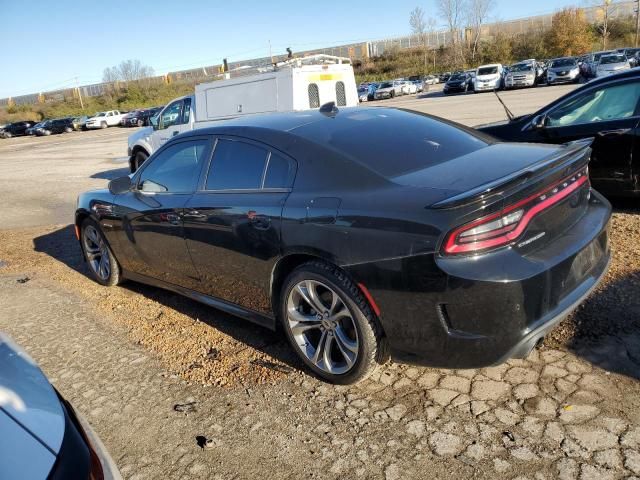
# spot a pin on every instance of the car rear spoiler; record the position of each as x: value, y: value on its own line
x: 575, y: 155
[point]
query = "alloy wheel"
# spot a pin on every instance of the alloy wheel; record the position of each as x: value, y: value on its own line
x: 322, y: 327
x: 97, y: 253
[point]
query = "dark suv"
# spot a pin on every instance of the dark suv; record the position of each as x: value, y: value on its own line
x: 58, y: 125
x: 139, y: 118
x: 16, y: 129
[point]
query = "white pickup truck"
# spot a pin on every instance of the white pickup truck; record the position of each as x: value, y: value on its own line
x: 106, y: 119
x: 295, y: 85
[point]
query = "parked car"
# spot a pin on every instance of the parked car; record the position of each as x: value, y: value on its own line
x: 32, y: 130
x: 630, y: 54
x: 388, y: 90
x: 16, y: 129
x: 363, y: 94
x: 110, y: 118
x: 457, y: 83
x: 421, y: 254
x: 488, y: 78
x: 522, y: 74
x: 139, y: 118
x: 43, y: 437
x: 55, y: 126
x: 610, y: 64
x: 563, y: 70
x: 80, y: 123
x: 605, y: 110
x: 408, y: 88
x: 592, y: 62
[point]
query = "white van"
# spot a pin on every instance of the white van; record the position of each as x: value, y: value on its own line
x: 294, y: 85
x: 488, y: 77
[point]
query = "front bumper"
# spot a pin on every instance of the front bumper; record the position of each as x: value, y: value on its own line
x: 381, y: 95
x: 508, y: 83
x: 486, y: 87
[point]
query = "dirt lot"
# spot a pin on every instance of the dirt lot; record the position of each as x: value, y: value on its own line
x: 157, y: 374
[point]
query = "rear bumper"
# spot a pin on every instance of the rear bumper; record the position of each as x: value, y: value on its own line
x: 477, y: 312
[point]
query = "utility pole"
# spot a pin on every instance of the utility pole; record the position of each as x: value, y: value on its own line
x: 79, y: 94
x: 637, y: 9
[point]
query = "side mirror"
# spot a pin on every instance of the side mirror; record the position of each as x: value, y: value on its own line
x: 120, y: 185
x: 153, y: 121
x: 539, y: 122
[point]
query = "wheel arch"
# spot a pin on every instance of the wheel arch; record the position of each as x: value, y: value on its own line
x: 134, y: 151
x: 287, y: 263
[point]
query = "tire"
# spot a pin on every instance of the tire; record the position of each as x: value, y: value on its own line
x: 68, y: 130
x: 102, y: 264
x: 103, y: 125
x: 353, y: 335
x: 7, y: 135
x: 140, y: 123
x: 393, y: 93
x: 139, y: 158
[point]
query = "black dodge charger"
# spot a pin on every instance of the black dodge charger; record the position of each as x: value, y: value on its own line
x: 427, y: 241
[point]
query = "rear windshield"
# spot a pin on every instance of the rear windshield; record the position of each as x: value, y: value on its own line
x: 613, y: 59
x: 487, y: 70
x: 397, y: 143
x: 563, y: 62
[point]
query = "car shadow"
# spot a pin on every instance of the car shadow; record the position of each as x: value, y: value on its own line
x: 62, y: 245
x: 606, y: 327
x: 112, y: 173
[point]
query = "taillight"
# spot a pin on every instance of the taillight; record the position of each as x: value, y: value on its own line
x: 500, y: 229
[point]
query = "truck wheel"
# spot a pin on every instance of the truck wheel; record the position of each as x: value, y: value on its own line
x: 139, y: 159
x: 103, y: 125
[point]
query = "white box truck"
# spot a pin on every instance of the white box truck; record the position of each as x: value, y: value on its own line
x: 294, y: 85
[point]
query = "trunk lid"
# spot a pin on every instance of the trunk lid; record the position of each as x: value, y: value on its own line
x: 490, y: 171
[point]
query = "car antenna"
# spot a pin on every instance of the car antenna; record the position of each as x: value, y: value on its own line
x: 329, y: 109
x: 510, y: 115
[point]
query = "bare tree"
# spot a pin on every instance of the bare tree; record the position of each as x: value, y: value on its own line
x: 478, y: 13
x: 126, y: 71
x: 419, y: 27
x: 605, y: 10
x: 452, y: 12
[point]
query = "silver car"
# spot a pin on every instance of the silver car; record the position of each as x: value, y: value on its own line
x: 41, y: 436
x: 610, y: 64
x: 563, y: 70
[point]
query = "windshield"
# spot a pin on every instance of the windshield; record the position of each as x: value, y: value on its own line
x: 521, y: 67
x: 386, y: 85
x: 613, y: 59
x: 100, y: 114
x: 563, y: 62
x: 457, y: 77
x: 487, y: 70
x: 597, y: 56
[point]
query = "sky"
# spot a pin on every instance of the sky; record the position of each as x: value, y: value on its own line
x: 52, y: 43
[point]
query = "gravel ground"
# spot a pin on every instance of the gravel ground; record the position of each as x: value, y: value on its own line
x: 158, y: 375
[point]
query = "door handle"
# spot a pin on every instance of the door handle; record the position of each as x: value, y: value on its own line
x: 193, y: 215
x: 614, y: 133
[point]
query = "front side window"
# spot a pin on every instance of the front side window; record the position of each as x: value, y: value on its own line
x: 171, y: 115
x: 608, y: 103
x: 175, y: 169
x: 236, y: 165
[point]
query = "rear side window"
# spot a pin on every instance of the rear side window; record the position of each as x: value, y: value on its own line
x: 280, y: 172
x: 236, y: 165
x: 314, y: 96
x: 175, y: 169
